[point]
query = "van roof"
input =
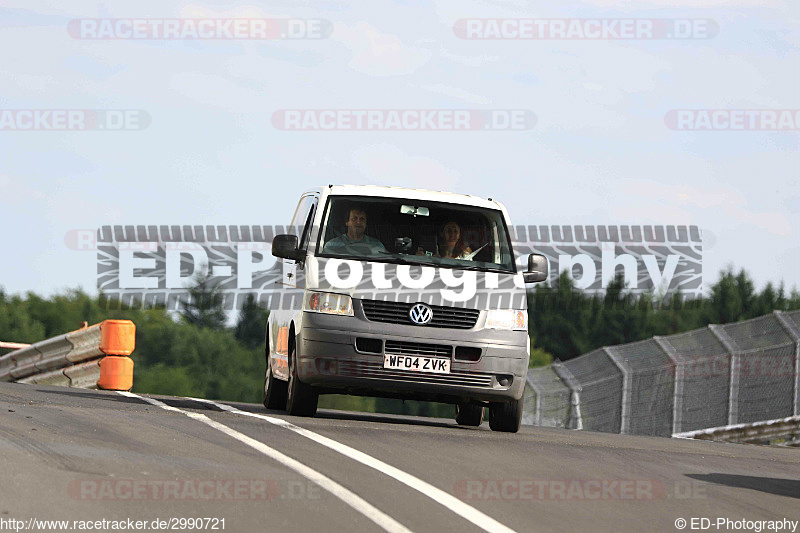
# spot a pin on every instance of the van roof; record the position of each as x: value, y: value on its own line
x: 416, y: 194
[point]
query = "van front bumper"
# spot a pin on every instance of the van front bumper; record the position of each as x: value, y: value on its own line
x: 330, y: 359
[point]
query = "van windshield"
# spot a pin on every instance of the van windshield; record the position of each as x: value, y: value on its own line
x: 415, y: 231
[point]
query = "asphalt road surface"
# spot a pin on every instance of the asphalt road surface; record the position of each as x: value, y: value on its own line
x: 79, y: 455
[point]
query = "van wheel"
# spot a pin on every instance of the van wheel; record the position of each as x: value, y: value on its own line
x: 469, y: 414
x: 506, y: 416
x: 275, y: 390
x: 302, y: 398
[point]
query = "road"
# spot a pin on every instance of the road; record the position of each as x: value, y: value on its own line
x: 71, y: 454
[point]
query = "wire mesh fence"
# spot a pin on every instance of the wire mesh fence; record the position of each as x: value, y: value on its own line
x: 710, y: 377
x: 600, y: 392
x: 702, y: 371
x: 651, y: 374
x: 550, y: 405
x: 764, y: 369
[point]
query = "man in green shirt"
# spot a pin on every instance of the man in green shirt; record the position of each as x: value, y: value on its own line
x: 355, y: 242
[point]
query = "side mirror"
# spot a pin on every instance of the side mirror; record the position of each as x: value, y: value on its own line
x: 285, y: 246
x: 537, y: 269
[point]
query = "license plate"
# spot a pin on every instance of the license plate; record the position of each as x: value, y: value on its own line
x: 416, y: 363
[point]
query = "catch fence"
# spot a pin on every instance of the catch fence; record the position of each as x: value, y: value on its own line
x: 716, y: 376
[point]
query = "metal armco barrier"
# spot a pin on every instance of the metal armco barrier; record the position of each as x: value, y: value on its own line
x: 784, y: 430
x: 718, y: 376
x: 89, y: 358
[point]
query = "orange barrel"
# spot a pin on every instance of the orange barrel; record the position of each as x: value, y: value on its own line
x: 117, y: 337
x: 116, y: 373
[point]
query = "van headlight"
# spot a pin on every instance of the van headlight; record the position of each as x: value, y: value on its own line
x: 328, y: 303
x: 507, y: 319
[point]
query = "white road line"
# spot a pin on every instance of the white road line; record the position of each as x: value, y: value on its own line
x: 350, y: 498
x: 485, y: 522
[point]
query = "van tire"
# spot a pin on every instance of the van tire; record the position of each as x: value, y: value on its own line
x: 275, y: 390
x: 469, y: 414
x: 506, y: 416
x: 301, y: 398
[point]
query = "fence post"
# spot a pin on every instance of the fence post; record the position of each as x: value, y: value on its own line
x: 537, y: 413
x: 575, y: 421
x: 677, y: 391
x: 793, y: 332
x: 733, y: 390
x: 625, y: 411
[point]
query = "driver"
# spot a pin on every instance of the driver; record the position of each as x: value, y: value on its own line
x: 355, y: 241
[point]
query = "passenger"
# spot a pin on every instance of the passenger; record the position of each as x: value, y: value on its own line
x: 451, y: 245
x: 355, y: 241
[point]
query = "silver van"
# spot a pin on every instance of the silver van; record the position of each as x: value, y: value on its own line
x: 401, y: 293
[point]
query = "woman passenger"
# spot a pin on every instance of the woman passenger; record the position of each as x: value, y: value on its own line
x: 451, y: 244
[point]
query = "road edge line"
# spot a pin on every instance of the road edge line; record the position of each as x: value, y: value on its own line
x: 350, y: 498
x: 464, y: 510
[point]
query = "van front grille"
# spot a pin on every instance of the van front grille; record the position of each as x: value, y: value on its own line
x: 418, y: 348
x: 368, y: 345
x: 397, y: 313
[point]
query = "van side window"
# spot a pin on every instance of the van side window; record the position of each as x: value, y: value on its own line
x: 301, y: 215
x: 308, y: 226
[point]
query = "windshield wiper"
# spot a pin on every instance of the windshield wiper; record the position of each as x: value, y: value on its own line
x: 484, y: 269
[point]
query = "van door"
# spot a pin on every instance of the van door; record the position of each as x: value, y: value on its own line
x: 301, y: 226
x: 293, y: 284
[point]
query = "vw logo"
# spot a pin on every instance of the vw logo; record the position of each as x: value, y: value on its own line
x: 420, y: 314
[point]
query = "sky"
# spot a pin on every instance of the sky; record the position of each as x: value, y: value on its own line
x: 600, y: 152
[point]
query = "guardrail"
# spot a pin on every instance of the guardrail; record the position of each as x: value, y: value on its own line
x: 91, y: 357
x: 786, y: 431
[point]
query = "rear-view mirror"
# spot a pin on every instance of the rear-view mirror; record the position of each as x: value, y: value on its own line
x: 414, y: 210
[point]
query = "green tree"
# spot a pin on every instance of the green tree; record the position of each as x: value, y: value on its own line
x: 539, y: 357
x: 251, y: 326
x: 162, y: 379
x: 203, y: 307
x: 16, y: 323
x: 732, y: 297
x: 622, y: 317
x: 559, y: 318
x: 794, y: 300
